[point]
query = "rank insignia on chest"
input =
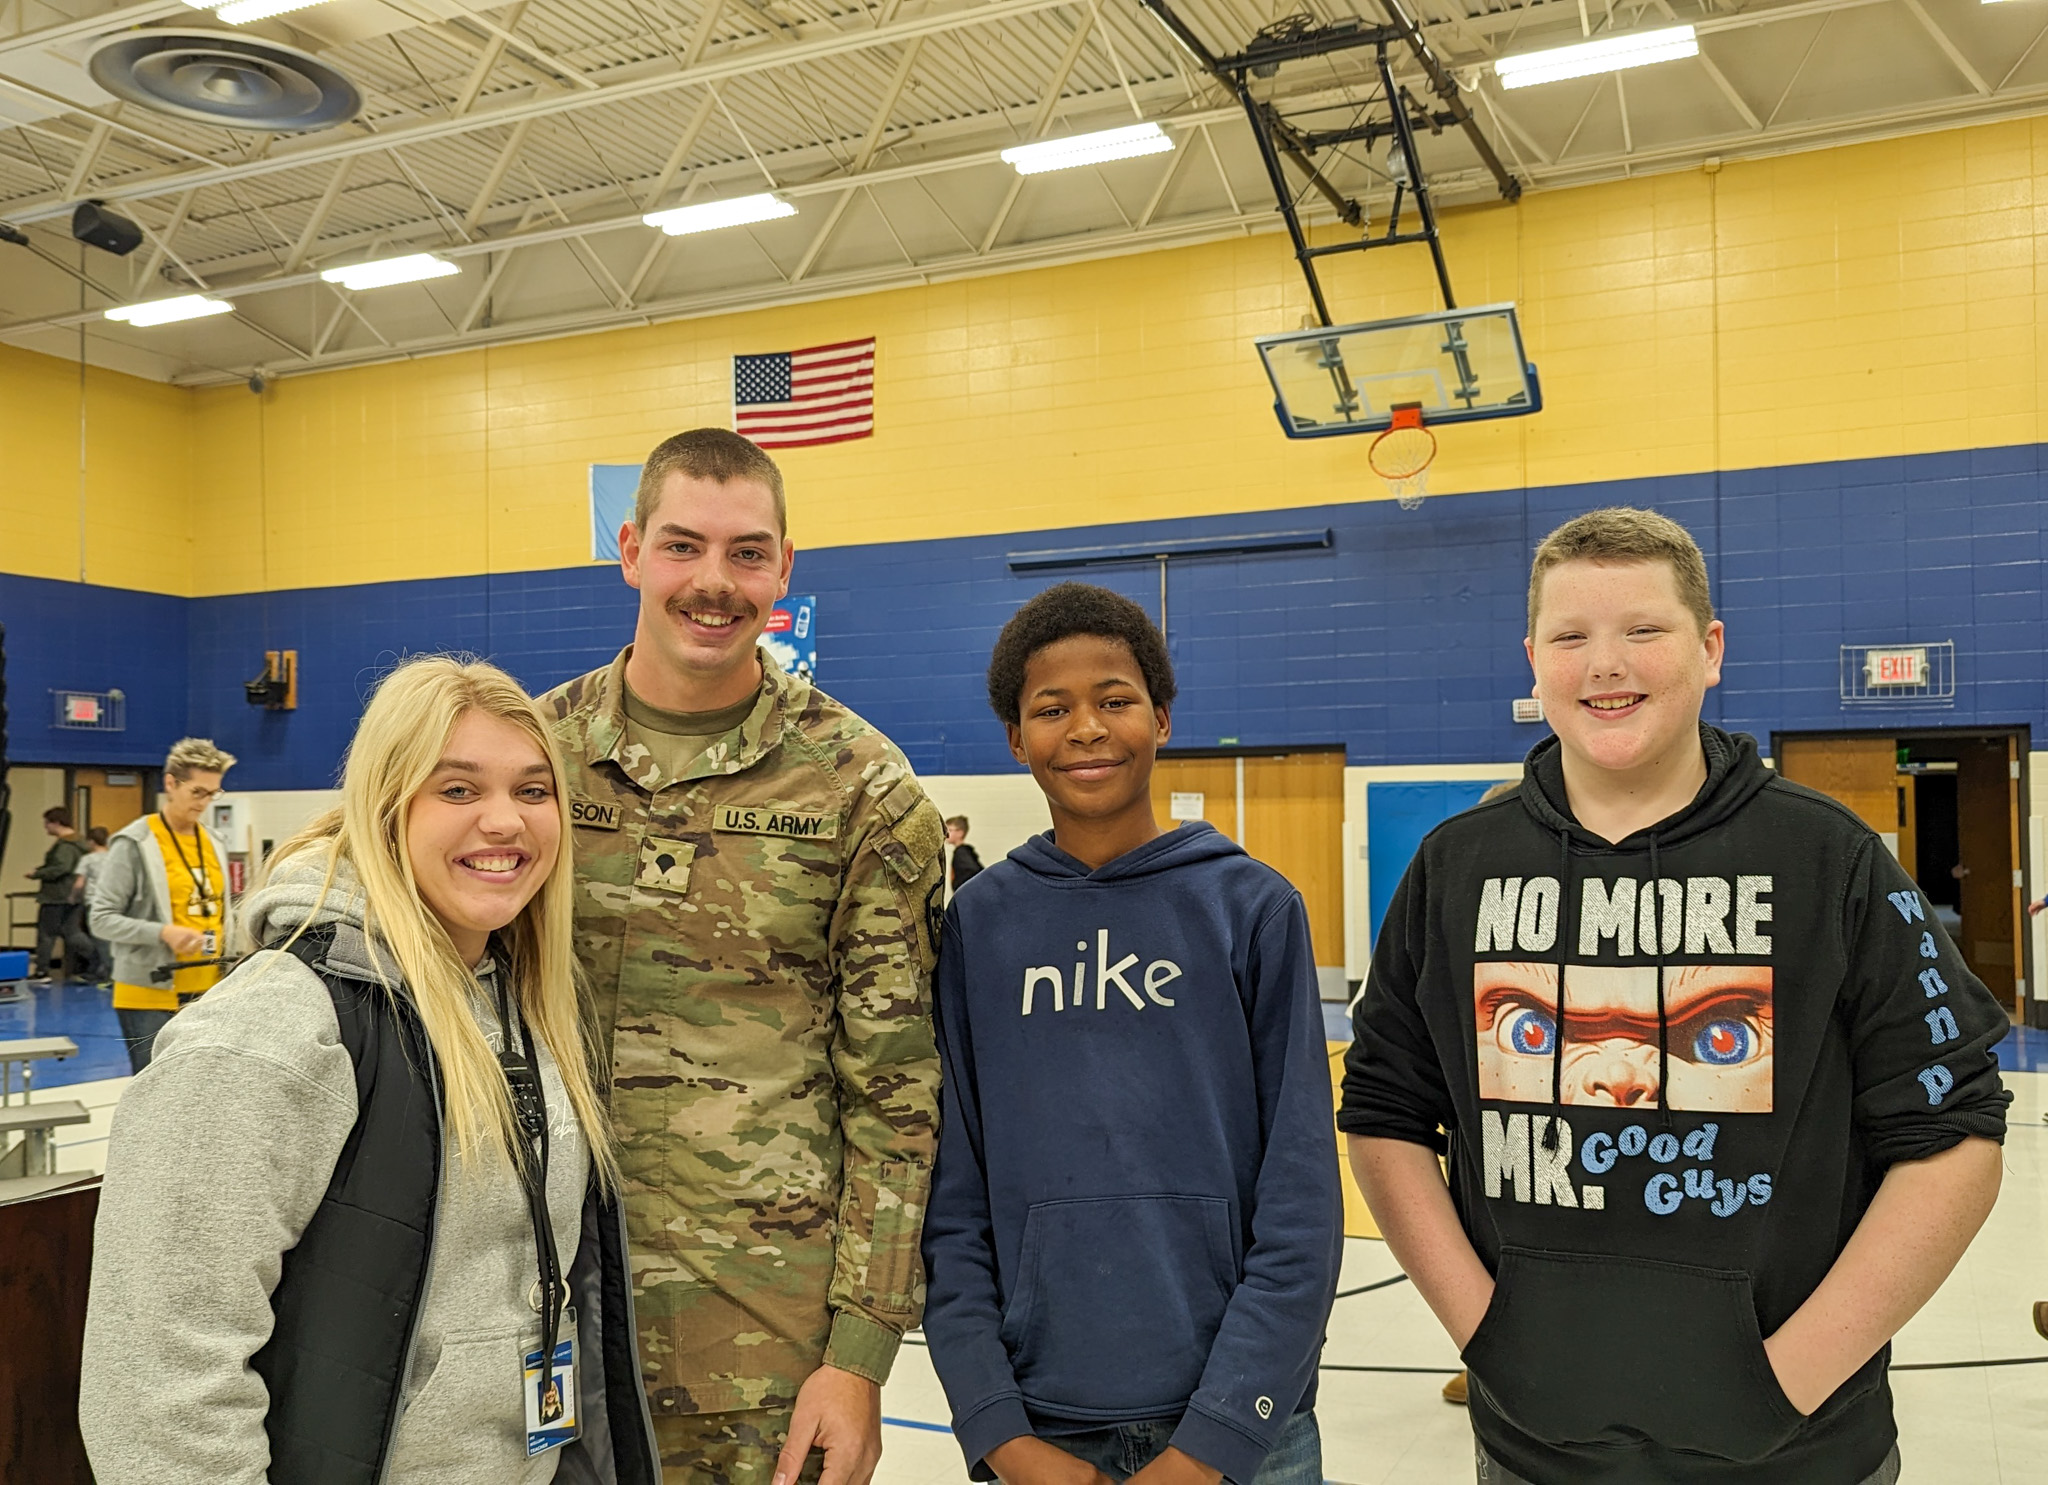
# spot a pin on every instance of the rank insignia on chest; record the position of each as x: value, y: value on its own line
x: 773, y: 819
x: 665, y: 864
x: 592, y: 815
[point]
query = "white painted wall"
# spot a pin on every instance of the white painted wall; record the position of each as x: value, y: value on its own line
x: 1002, y: 809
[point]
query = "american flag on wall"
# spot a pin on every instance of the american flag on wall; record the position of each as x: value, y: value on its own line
x: 791, y: 399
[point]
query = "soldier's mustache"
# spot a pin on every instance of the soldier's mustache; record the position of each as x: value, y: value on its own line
x: 697, y: 604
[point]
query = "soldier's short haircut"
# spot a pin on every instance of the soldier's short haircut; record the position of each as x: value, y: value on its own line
x: 715, y: 454
x: 1619, y: 534
x: 1061, y: 612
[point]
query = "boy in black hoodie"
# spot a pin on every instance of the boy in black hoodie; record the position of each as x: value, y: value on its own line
x: 1685, y: 1217
x: 1135, y: 1219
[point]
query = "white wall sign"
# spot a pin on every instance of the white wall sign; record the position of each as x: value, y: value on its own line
x: 1186, y: 806
x: 1528, y: 709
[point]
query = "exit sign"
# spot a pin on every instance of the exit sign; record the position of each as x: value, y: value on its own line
x: 1903, y: 667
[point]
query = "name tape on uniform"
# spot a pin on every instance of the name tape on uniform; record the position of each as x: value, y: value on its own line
x: 768, y: 819
x: 595, y: 816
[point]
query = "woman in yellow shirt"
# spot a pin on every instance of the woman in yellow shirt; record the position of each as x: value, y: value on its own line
x: 162, y: 898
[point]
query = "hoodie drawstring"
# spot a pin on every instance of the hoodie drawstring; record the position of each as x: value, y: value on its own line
x: 1657, y: 947
x: 1564, y: 899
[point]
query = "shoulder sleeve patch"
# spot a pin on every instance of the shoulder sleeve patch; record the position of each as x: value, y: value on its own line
x: 920, y: 831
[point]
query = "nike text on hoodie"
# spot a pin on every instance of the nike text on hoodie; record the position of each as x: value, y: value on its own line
x: 1135, y: 1212
x: 1759, y: 1017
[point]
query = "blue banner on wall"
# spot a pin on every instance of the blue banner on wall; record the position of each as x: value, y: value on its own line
x: 611, y: 505
x: 792, y: 636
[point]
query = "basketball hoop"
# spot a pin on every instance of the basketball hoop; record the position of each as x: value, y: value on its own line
x: 1401, y: 456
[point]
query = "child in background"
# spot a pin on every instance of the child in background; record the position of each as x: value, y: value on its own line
x: 1135, y: 1222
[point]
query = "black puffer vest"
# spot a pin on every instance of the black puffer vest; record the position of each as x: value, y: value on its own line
x: 350, y: 1293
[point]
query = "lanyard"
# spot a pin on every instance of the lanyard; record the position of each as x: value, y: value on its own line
x: 529, y: 1105
x: 200, y: 904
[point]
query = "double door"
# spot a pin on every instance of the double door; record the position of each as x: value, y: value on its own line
x: 1286, y: 810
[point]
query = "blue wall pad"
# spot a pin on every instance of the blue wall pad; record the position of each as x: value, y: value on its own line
x: 1402, y: 640
x: 1397, y: 817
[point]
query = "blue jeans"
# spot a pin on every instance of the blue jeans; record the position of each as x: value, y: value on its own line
x: 1120, y: 1452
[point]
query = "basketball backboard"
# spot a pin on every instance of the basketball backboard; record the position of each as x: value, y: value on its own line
x: 1460, y: 365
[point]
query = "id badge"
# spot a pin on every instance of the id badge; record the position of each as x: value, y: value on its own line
x: 551, y: 1393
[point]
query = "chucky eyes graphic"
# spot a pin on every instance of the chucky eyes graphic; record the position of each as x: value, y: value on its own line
x: 1717, y: 1035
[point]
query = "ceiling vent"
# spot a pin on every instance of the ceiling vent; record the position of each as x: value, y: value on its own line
x: 219, y: 77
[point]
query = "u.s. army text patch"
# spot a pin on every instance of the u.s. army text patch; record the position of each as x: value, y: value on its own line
x: 770, y: 819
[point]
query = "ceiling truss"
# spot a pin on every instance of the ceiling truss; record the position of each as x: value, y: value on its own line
x: 524, y: 141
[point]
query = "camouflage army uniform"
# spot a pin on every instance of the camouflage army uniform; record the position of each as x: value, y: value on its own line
x: 759, y: 934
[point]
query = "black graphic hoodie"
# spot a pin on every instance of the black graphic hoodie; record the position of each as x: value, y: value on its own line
x: 1760, y: 1015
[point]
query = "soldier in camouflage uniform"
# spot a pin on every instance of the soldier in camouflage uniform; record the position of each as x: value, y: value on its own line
x: 757, y: 873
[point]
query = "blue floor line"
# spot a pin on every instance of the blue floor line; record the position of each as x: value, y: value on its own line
x: 914, y: 1423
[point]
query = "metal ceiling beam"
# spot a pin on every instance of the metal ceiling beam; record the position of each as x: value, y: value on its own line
x: 661, y: 77
x: 1949, y: 49
x: 87, y: 27
x: 960, y: 266
x: 1446, y: 89
x: 495, y: 177
x: 1048, y: 105
x: 543, y: 235
x: 310, y: 233
x: 878, y: 125
x: 486, y: 61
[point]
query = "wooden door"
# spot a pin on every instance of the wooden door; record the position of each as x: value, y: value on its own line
x: 1294, y: 822
x: 1861, y: 772
x: 1214, y: 779
x: 106, y: 796
x: 1987, y: 837
x: 1909, y: 824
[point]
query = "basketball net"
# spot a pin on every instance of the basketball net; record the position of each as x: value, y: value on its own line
x: 1402, y: 455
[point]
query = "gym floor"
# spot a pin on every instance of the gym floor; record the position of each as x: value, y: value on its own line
x: 1383, y: 1420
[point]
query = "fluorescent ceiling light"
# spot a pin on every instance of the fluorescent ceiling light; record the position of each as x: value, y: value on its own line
x: 241, y: 12
x: 1088, y: 149
x: 407, y: 270
x: 1608, y: 54
x: 709, y: 216
x: 170, y: 311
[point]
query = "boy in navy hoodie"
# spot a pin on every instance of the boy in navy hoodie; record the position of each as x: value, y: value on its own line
x: 1135, y: 1219
x: 1721, y: 1101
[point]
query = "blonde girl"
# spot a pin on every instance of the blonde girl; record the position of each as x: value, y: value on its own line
x: 367, y: 1178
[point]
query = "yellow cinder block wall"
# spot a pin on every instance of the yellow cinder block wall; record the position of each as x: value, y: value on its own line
x: 96, y: 476
x: 1871, y: 300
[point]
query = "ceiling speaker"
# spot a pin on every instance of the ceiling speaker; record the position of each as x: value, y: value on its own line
x: 93, y: 224
x: 219, y: 77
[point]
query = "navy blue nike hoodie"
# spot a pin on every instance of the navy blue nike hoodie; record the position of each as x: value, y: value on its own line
x: 1135, y: 1214
x: 1760, y: 1016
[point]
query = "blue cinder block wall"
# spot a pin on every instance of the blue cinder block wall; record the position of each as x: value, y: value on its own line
x: 1402, y: 640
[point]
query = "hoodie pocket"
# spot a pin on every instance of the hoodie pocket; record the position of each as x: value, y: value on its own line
x: 1593, y: 1349
x: 1118, y: 1301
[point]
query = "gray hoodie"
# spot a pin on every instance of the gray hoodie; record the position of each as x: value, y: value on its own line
x: 221, y: 1150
